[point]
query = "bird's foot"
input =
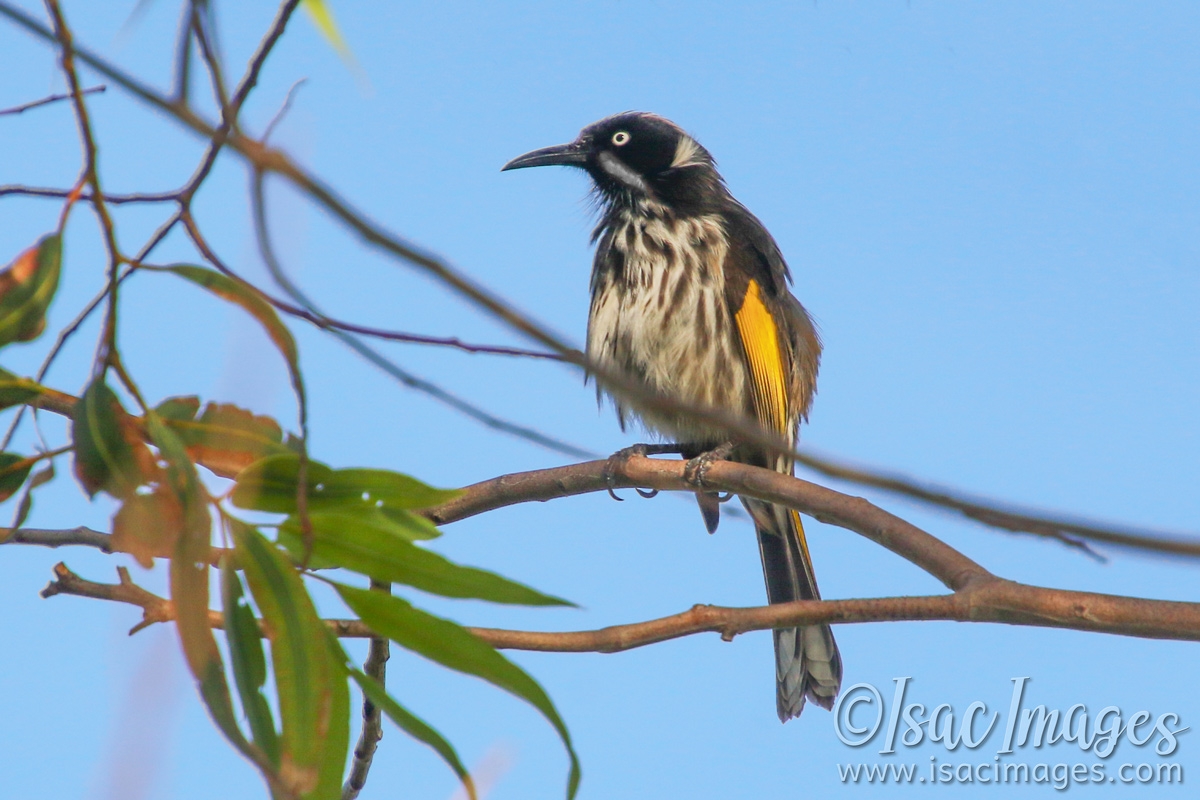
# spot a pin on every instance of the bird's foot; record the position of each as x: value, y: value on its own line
x: 616, y: 462
x: 697, y: 468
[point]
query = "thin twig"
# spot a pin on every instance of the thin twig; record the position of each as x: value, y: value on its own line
x: 183, y: 58
x: 326, y: 323
x: 283, y: 109
x: 206, y: 35
x: 54, y: 98
x: 111, y: 199
x: 372, y: 726
x: 258, y: 204
x: 91, y: 176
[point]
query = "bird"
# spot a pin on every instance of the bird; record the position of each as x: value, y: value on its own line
x: 690, y: 299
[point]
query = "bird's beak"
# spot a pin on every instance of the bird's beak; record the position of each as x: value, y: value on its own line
x: 572, y: 154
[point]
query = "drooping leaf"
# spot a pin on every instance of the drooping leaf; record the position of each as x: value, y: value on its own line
x: 224, y: 438
x: 109, y: 452
x: 248, y: 662
x: 356, y: 540
x: 189, y: 583
x: 450, y: 645
x: 14, y: 469
x: 252, y: 301
x: 26, y: 288
x: 414, y: 726
x: 145, y: 526
x: 270, y: 485
x: 313, y: 694
x: 181, y: 478
x: 15, y: 390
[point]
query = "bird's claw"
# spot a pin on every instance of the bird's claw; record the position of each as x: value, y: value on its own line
x: 616, y: 463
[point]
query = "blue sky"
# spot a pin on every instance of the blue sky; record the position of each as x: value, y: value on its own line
x: 990, y: 209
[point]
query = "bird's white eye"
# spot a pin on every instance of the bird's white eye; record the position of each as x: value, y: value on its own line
x: 620, y: 138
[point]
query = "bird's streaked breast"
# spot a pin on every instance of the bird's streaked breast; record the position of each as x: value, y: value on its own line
x: 659, y: 314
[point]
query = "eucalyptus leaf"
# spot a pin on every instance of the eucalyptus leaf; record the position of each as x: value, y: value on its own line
x: 452, y: 646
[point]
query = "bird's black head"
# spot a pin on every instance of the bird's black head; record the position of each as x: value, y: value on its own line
x: 638, y: 160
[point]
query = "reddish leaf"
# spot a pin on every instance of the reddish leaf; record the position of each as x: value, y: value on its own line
x: 225, y: 438
x: 147, y: 526
x: 26, y: 288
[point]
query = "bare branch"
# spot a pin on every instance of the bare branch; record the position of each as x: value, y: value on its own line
x: 372, y: 727
x: 997, y: 514
x: 589, y: 477
x: 47, y: 537
x: 979, y: 596
x: 54, y: 98
x: 854, y: 513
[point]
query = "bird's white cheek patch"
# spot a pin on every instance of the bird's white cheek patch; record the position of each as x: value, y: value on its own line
x: 687, y: 153
x: 618, y: 170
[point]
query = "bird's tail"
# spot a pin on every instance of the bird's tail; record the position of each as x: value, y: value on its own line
x: 807, y: 662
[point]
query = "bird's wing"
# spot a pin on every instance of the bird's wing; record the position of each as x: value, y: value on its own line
x: 755, y: 258
x: 755, y: 283
x: 770, y: 374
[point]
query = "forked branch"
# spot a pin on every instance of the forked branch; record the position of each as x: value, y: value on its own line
x: 977, y: 594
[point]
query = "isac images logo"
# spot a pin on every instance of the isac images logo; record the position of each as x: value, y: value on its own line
x: 861, y: 717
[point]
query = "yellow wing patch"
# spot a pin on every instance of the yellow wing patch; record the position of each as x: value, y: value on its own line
x: 760, y: 340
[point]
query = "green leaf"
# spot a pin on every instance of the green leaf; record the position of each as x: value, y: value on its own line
x: 270, y: 485
x: 189, y: 583
x: 248, y: 298
x: 224, y: 438
x: 388, y: 489
x: 178, y: 409
x: 322, y: 17
x: 414, y: 726
x: 15, y: 391
x: 26, y: 288
x: 450, y: 645
x: 14, y: 469
x: 189, y: 592
x: 109, y: 453
x: 249, y: 664
x: 355, y: 540
x: 398, y: 524
x: 313, y: 694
